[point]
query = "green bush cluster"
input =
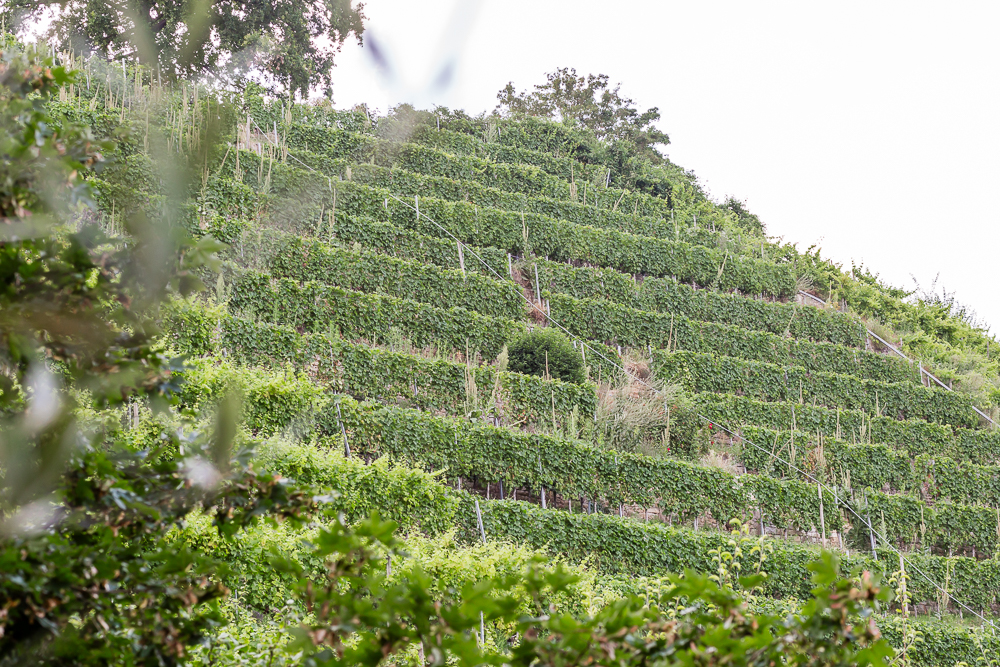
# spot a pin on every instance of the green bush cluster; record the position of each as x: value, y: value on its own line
x: 413, y: 246
x: 546, y: 352
x: 274, y: 401
x: 629, y: 546
x: 403, y: 182
x: 674, y: 487
x: 552, y: 177
x: 420, y: 503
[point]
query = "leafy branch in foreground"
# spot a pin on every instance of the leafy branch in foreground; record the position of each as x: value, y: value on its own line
x: 359, y: 618
x: 88, y: 572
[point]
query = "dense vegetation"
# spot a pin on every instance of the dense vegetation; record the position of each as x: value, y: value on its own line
x: 353, y: 434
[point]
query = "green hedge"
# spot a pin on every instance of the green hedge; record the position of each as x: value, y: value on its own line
x: 518, y: 233
x: 701, y: 372
x: 372, y: 272
x: 403, y: 182
x: 576, y: 469
x: 915, y: 435
x: 414, y: 499
x: 523, y: 178
x: 569, y: 241
x: 271, y: 400
x: 393, y: 377
x: 573, y: 468
x: 458, y: 143
x: 614, y: 545
x: 316, y: 307
x: 668, y: 296
x: 625, y: 545
x: 413, y: 157
x: 943, y: 642
x: 944, y: 474
x: 274, y: 400
x: 600, y: 320
x: 412, y: 246
x: 601, y: 537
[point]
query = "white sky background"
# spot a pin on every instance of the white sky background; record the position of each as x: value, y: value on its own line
x: 870, y: 128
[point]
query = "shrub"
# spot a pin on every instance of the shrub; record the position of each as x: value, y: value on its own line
x: 547, y: 350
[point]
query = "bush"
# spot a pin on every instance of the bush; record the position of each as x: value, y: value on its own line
x: 547, y: 350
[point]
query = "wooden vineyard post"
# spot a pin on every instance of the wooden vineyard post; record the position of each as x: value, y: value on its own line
x: 538, y: 293
x: 871, y: 531
x: 840, y: 529
x: 822, y: 519
x: 482, y: 532
x: 347, y: 445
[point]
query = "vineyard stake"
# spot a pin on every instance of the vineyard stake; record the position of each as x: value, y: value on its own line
x: 822, y: 520
x: 538, y: 294
x: 479, y: 518
x: 347, y: 446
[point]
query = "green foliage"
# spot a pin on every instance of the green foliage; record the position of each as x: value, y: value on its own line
x: 109, y: 584
x: 405, y: 244
x: 744, y: 218
x: 409, y: 183
x: 389, y: 616
x: 293, y: 46
x: 317, y: 307
x: 374, y: 273
x: 771, y: 382
x: 592, y: 103
x: 570, y: 469
x: 600, y: 320
x: 546, y: 352
x: 913, y: 468
x: 405, y: 379
x: 858, y: 426
x: 666, y: 295
x: 87, y: 575
x: 541, y: 178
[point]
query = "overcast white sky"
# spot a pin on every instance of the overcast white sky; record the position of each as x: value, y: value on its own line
x: 870, y: 128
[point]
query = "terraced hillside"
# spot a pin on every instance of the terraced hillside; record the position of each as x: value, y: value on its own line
x: 384, y: 280
x: 381, y: 270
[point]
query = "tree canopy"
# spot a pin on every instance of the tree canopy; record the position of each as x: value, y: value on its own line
x: 591, y: 101
x: 288, y: 45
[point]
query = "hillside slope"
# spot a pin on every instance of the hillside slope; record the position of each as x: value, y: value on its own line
x: 382, y: 272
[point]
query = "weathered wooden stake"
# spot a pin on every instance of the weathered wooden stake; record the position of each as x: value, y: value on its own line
x: 822, y: 519
x: 538, y: 292
x: 347, y: 445
x: 479, y: 518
